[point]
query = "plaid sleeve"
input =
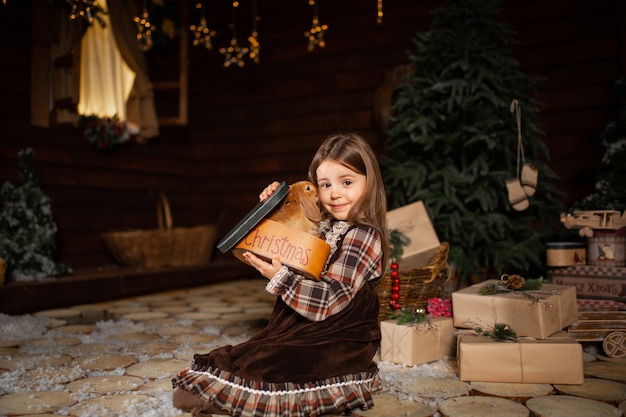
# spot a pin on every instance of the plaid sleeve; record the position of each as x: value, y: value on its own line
x: 359, y: 260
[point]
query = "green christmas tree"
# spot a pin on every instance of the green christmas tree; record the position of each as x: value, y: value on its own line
x: 610, y: 191
x: 453, y: 142
x: 27, y: 229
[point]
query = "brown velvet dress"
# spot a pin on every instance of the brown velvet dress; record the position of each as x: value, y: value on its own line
x: 294, y: 367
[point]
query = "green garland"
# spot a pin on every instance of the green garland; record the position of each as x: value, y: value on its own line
x: 500, y: 331
x: 512, y: 283
x: 410, y: 316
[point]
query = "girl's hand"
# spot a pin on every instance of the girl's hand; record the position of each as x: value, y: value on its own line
x: 267, y: 269
x: 269, y: 190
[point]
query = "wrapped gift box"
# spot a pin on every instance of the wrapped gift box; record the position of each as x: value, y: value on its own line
x: 555, y: 310
x: 412, y: 221
x: 555, y: 360
x: 413, y: 344
x: 593, y: 282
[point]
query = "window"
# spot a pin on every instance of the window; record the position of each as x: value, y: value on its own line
x: 59, y: 44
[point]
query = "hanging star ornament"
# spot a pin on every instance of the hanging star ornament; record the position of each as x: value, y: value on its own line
x: 202, y: 34
x: 234, y: 54
x: 253, y: 39
x: 84, y: 8
x: 144, y: 30
x: 316, y: 35
x: 255, y: 47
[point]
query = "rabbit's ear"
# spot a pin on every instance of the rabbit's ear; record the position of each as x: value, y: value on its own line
x: 306, y: 194
x: 310, y: 209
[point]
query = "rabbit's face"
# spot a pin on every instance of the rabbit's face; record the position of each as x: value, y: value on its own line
x: 303, y: 194
x: 299, y: 209
x: 303, y: 190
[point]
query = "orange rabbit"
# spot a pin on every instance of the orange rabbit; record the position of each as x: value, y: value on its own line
x: 299, y: 209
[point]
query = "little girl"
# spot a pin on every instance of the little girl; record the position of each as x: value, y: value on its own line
x: 315, y: 355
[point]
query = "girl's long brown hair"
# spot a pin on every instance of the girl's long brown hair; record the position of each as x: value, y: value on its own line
x: 353, y: 151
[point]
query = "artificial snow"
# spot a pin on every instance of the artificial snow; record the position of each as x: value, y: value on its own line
x: 107, y: 338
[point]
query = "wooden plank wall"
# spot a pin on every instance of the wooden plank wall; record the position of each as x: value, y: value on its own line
x: 249, y: 126
x: 263, y: 122
x: 271, y: 117
x: 578, y: 48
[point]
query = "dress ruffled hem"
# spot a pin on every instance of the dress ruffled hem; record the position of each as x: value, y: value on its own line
x: 240, y: 397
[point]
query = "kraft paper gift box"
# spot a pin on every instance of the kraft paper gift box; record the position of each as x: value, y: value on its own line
x: 414, y: 344
x: 555, y: 360
x: 555, y: 310
x: 412, y: 221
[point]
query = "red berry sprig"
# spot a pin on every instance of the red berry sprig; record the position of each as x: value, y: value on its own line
x: 394, y: 303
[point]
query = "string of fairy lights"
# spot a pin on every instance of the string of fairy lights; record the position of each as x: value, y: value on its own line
x: 203, y: 35
x: 234, y: 54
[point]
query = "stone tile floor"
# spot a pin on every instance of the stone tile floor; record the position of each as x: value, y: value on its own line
x: 117, y: 358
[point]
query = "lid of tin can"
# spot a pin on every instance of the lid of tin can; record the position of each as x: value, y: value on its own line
x: 258, y: 213
x: 566, y: 245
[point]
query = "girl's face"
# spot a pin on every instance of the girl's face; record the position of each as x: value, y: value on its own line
x: 339, y: 188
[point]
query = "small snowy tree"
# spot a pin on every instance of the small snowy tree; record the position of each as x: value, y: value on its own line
x: 27, y: 229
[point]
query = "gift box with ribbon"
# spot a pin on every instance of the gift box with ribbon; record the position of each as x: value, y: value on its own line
x: 537, y: 313
x: 414, y: 344
x: 421, y: 243
x: 555, y: 360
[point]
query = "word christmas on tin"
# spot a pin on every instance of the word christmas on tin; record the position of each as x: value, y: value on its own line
x: 280, y: 246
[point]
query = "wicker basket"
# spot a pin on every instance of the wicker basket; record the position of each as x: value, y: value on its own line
x: 166, y: 246
x: 417, y: 286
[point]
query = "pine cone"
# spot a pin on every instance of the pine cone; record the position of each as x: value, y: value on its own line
x: 515, y: 282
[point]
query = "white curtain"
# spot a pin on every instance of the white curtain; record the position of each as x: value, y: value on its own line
x: 106, y: 80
